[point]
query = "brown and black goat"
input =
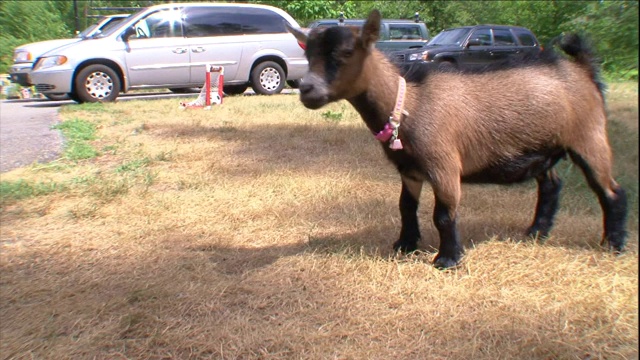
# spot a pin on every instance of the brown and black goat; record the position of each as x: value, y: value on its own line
x: 503, y: 126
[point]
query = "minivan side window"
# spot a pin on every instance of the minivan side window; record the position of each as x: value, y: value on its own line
x: 221, y: 21
x: 503, y: 37
x: 160, y: 24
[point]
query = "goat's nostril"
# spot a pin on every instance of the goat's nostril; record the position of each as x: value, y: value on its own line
x: 305, y: 88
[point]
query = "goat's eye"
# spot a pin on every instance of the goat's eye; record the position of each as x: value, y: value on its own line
x: 346, y: 53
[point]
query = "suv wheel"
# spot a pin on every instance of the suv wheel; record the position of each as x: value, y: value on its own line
x: 447, y: 65
x: 268, y: 78
x: 97, y: 83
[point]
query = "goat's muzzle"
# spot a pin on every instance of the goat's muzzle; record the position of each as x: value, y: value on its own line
x: 313, y: 93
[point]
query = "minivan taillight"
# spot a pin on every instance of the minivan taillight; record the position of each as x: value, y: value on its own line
x: 302, y: 45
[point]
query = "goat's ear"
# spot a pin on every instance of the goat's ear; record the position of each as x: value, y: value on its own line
x: 298, y: 33
x: 371, y: 29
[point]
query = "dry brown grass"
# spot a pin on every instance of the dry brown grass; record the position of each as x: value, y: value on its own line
x: 262, y: 230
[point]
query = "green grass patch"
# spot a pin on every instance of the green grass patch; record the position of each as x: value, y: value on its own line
x: 133, y: 166
x: 78, y: 133
x: 22, y: 189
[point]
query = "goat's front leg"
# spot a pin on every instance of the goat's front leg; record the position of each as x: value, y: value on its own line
x: 447, y: 197
x: 409, y: 201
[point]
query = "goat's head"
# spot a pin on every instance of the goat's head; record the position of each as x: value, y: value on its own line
x: 336, y: 58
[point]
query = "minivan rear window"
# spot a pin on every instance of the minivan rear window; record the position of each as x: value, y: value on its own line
x: 220, y: 21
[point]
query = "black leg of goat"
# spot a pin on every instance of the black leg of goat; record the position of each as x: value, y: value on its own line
x: 409, y: 201
x: 450, y: 250
x: 614, y: 206
x: 549, y: 186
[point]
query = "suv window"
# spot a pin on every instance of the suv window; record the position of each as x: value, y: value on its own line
x: 503, y: 37
x: 449, y: 37
x: 203, y: 22
x: 526, y: 39
x: 484, y: 35
x: 404, y: 32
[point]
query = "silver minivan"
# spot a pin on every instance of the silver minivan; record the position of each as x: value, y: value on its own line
x: 168, y: 46
x: 25, y: 55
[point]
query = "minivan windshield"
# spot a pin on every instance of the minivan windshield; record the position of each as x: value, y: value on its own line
x: 449, y: 37
x: 108, y: 30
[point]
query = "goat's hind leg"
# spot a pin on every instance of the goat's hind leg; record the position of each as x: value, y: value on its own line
x: 596, y: 166
x: 409, y: 201
x: 549, y: 186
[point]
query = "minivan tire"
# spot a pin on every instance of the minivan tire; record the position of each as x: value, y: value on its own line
x: 234, y: 89
x: 57, y: 97
x: 268, y: 78
x: 97, y: 83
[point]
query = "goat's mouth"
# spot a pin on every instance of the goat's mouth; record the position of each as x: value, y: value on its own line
x: 313, y: 102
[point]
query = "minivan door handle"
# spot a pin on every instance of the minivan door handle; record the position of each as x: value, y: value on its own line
x: 198, y: 49
x: 179, y: 50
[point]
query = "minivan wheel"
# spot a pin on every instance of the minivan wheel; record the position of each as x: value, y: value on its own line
x: 268, y: 78
x: 97, y: 83
x: 191, y: 90
x: 294, y: 84
x: 234, y: 89
x: 73, y: 96
x: 57, y: 97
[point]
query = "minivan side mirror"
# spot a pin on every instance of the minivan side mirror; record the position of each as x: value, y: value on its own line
x: 131, y: 30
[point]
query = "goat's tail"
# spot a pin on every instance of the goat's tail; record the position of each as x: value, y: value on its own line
x: 580, y: 50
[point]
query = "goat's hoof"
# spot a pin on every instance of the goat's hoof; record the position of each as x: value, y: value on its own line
x: 616, y: 247
x: 616, y: 241
x: 445, y: 262
x: 535, y: 232
x: 405, y: 247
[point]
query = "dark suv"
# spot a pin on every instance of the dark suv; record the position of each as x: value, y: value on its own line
x: 395, y: 34
x: 472, y: 46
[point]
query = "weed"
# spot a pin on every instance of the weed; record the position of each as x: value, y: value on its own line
x: 332, y: 116
x: 112, y: 149
x: 163, y: 156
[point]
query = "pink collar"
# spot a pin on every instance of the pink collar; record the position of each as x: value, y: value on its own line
x: 390, y: 131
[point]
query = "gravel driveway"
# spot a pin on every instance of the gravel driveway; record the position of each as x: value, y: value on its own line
x: 25, y: 133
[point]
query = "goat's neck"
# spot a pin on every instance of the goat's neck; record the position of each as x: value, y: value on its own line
x: 377, y: 101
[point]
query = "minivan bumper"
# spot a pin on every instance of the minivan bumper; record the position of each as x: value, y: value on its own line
x: 47, y: 81
x: 297, y: 68
x: 19, y: 73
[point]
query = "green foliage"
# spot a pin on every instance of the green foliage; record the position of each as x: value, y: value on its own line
x: 613, y: 25
x: 23, y: 22
x: 32, y: 20
x: 305, y: 11
x: 7, y: 44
